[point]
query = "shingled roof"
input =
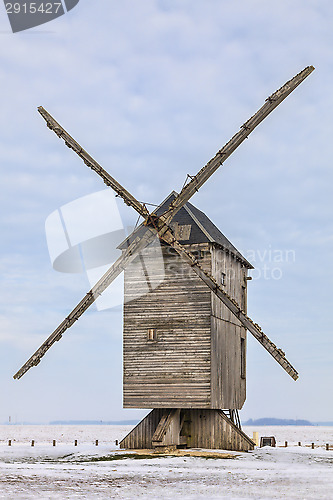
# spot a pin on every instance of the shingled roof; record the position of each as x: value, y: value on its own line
x: 202, y: 229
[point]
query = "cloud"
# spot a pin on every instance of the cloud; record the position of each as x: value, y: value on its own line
x: 152, y: 90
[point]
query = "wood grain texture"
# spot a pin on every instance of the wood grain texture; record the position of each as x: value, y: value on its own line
x: 174, y: 371
x: 228, y: 387
x: 192, y: 428
x: 195, y: 361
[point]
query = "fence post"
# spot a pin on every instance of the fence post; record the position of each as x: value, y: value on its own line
x: 54, y: 442
x: 96, y: 443
x: 312, y: 446
x: 327, y: 446
x: 285, y: 444
x: 32, y: 443
x: 75, y: 442
x: 299, y: 443
x: 10, y: 442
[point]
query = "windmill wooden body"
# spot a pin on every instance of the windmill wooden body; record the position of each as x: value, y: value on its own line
x: 182, y: 346
x: 185, y: 339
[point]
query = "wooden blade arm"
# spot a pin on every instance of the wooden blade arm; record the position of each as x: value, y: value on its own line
x: 203, y: 175
x: 231, y: 304
x: 91, y: 163
x: 136, y: 246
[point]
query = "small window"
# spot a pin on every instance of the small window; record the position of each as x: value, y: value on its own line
x: 243, y: 358
x: 151, y: 335
x: 223, y: 279
x: 243, y: 299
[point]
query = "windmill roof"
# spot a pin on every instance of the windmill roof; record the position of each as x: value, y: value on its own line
x: 203, y: 230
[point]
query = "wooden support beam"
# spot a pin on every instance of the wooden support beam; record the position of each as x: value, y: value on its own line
x: 168, y: 430
x: 210, y: 429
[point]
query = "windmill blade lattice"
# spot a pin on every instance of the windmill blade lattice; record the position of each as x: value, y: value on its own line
x: 93, y: 164
x: 105, y: 281
x: 203, y: 175
x: 161, y: 226
x: 232, y: 305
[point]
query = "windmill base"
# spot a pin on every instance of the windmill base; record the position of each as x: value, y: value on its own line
x: 187, y: 428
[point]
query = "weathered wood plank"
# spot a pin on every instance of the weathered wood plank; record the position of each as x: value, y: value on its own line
x: 228, y: 388
x: 198, y: 428
x: 174, y: 370
x: 197, y: 353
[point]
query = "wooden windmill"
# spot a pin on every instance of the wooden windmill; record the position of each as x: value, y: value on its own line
x: 184, y: 340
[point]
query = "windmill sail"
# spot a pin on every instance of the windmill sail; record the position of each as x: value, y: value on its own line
x: 91, y: 163
x: 203, y: 175
x: 106, y: 280
x: 160, y: 225
x: 232, y: 305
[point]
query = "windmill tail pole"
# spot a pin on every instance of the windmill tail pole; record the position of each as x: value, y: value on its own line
x: 203, y: 175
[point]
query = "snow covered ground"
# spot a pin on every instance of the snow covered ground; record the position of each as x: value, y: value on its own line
x: 89, y: 471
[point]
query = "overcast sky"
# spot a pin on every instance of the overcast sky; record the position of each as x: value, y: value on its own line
x: 152, y: 89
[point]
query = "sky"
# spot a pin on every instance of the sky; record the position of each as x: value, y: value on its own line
x: 152, y: 89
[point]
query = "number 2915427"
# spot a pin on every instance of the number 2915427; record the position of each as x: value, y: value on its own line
x: 33, y: 7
